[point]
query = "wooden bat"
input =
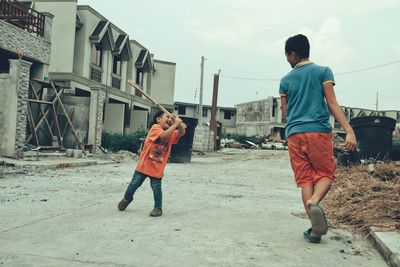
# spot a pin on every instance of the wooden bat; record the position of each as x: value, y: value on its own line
x: 137, y: 87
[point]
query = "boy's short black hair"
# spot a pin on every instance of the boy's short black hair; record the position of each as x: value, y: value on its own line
x: 298, y: 44
x: 157, y: 115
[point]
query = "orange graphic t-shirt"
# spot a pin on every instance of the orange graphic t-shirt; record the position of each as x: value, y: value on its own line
x: 155, y: 153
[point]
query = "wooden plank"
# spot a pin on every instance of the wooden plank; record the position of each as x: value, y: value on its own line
x: 57, y: 127
x: 40, y: 101
x: 32, y: 124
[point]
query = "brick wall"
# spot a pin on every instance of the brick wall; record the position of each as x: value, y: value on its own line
x: 203, y: 139
x: 4, y: 113
x: 22, y: 104
x: 34, y: 47
x: 99, y: 130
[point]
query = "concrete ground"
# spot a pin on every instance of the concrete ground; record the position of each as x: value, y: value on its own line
x: 230, y: 208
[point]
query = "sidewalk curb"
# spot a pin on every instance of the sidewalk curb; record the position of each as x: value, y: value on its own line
x: 58, y: 165
x: 385, y: 248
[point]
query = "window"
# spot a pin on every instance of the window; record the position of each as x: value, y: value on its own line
x: 117, y: 65
x: 227, y: 114
x: 205, y: 112
x: 274, y: 107
x: 139, y: 81
x: 139, y: 77
x: 97, y: 54
x: 181, y: 110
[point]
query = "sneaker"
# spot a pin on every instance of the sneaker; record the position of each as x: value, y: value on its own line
x: 123, y: 204
x: 156, y: 212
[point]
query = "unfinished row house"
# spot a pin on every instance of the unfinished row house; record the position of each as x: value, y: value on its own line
x: 92, y: 59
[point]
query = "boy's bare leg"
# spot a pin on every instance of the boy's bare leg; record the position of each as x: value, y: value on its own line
x: 313, y: 194
x: 307, y: 192
x: 321, y: 188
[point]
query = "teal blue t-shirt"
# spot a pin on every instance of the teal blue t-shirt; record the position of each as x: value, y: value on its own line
x: 307, y: 110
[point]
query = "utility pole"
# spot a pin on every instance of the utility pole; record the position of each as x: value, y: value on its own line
x: 200, y: 119
x: 376, y: 101
x: 213, y: 121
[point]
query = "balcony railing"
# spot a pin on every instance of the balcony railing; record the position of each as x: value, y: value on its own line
x: 22, y: 17
x: 116, y: 82
x: 95, y: 74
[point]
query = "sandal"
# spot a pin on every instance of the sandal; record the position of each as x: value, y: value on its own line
x: 318, y: 220
x: 312, y: 239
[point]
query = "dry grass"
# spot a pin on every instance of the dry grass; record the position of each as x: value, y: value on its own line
x: 360, y: 199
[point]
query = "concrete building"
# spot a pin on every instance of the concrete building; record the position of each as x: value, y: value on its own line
x: 94, y: 58
x: 25, y: 48
x: 260, y: 118
x: 225, y: 115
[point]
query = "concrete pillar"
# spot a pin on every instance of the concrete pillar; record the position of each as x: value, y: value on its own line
x: 97, y: 98
x: 48, y: 25
x: 16, y: 93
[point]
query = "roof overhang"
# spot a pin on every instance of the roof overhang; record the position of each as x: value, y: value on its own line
x: 145, y: 61
x: 102, y: 34
x: 123, y: 48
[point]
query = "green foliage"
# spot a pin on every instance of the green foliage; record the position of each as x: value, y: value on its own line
x: 117, y: 142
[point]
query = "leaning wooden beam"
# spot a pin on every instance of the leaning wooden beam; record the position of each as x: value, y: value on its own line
x: 40, y: 101
x: 32, y: 124
x: 69, y: 121
x: 57, y: 127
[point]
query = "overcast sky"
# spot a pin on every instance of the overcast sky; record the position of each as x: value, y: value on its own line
x: 245, y: 40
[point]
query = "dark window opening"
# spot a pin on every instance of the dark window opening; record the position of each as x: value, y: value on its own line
x: 274, y: 107
x: 139, y: 81
x: 181, y: 110
x: 205, y: 112
x: 117, y: 65
x: 227, y: 114
x: 127, y: 117
x: 81, y: 92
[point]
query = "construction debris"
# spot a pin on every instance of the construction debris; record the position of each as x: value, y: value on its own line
x: 365, y: 195
x: 254, y: 143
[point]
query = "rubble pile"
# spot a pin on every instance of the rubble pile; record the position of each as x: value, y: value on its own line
x: 365, y: 195
x: 254, y: 143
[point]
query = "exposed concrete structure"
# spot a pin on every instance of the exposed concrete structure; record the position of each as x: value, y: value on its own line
x: 260, y: 118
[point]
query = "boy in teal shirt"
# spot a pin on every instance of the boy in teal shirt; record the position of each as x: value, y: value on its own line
x: 307, y: 97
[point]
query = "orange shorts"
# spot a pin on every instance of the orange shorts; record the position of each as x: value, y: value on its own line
x: 311, y: 157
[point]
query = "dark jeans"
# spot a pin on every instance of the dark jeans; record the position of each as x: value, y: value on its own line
x: 137, y: 180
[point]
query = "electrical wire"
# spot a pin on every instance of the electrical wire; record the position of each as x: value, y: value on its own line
x: 368, y: 68
x: 278, y: 79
